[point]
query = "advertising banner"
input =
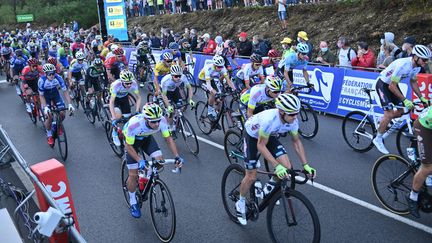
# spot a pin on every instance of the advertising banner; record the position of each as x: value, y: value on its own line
x: 115, y: 18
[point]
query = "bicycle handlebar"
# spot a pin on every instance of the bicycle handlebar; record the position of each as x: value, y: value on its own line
x: 307, y: 87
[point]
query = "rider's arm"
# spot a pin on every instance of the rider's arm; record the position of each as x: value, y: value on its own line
x: 132, y: 152
x: 165, y: 98
x: 111, y: 106
x: 289, y: 82
x: 393, y: 87
x: 298, y: 147
x: 230, y: 83
x: 262, y: 148
x: 172, y: 146
x: 415, y: 87
x: 138, y: 101
x: 306, y: 75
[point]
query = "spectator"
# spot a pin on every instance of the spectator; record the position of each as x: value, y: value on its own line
x: 219, y: 45
x: 345, y: 52
x: 287, y: 47
x: 155, y: 42
x: 209, y: 46
x: 160, y: 6
x: 325, y: 56
x: 259, y: 46
x: 302, y: 38
x: 365, y: 56
x: 388, y: 56
x: 150, y: 7
x: 193, y: 39
x: 407, y: 46
x: 388, y: 41
x: 282, y: 13
x: 201, y: 44
x: 209, y: 5
x: 244, y: 46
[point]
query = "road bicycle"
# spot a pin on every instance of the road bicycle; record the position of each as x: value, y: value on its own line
x: 95, y: 108
x: 36, y: 109
x: 392, y: 177
x: 118, y: 150
x: 291, y: 217
x: 77, y: 92
x: 360, y: 128
x: 144, y: 74
x: 59, y: 132
x: 181, y: 124
x: 307, y: 117
x: 162, y: 210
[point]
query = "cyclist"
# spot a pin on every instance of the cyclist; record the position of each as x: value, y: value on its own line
x: 77, y: 46
x: 251, y: 73
x: 389, y: 92
x: 119, y: 101
x: 423, y: 131
x: 229, y: 50
x: 29, y: 77
x: 115, y: 64
x: 77, y: 69
x: 212, y: 76
x: 170, y: 86
x: 33, y: 49
x: 93, y: 74
x: 295, y: 59
x: 6, y: 54
x: 261, y: 137
x: 142, y: 54
x: 52, y: 51
x: 64, y: 54
x: 18, y: 62
x: 254, y: 100
x: 270, y: 64
x: 138, y: 133
x: 48, y: 86
x: 58, y: 66
x: 97, y: 45
x: 174, y: 49
x: 161, y: 69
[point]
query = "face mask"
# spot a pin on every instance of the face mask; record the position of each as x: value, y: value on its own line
x: 299, y: 39
x: 382, y: 41
x: 254, y: 42
x: 324, y: 49
x: 404, y: 47
x: 284, y: 46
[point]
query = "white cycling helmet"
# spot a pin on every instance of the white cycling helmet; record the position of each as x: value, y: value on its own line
x: 53, y: 43
x: 167, y: 56
x: 422, y: 51
x: 218, y: 61
x: 114, y: 47
x: 79, y: 55
x: 48, y: 67
x: 274, y: 83
x: 288, y: 103
x: 176, y: 70
x: 98, y: 37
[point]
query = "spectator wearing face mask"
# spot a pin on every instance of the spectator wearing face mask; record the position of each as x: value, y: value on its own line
x: 244, y: 46
x: 210, y: 45
x: 287, y: 47
x: 365, y: 56
x: 325, y: 56
x: 388, y: 42
x: 407, y: 47
x: 193, y: 39
x: 388, y: 56
x: 303, y: 38
x: 259, y: 46
x: 345, y: 52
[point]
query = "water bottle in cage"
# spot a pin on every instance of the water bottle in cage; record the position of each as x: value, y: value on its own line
x: 428, y: 180
x: 258, y: 189
x: 142, y: 180
x: 411, y: 154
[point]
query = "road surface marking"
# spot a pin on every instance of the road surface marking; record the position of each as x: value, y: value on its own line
x: 347, y: 197
x: 3, y: 81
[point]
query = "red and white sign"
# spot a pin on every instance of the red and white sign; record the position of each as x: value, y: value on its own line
x: 425, y: 84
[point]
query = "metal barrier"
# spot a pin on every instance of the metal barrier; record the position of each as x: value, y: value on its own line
x: 361, y: 68
x: 10, y: 148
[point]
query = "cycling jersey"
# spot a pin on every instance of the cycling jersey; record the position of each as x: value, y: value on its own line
x: 268, y: 123
x: 52, y: 52
x: 113, y: 62
x: 76, y: 67
x: 248, y: 73
x: 176, y: 54
x: 45, y: 85
x: 398, y: 70
x: 168, y: 84
x: 118, y: 90
x: 28, y: 75
x: 209, y: 72
x: 62, y: 56
x: 75, y: 47
x: 18, y: 63
x: 292, y: 61
x: 137, y: 128
x: 255, y: 96
x: 142, y: 55
x: 161, y: 70
x: 6, y: 51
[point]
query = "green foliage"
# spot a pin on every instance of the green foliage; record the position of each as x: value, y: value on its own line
x: 48, y: 12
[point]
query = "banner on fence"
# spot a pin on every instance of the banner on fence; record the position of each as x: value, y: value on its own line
x: 115, y: 19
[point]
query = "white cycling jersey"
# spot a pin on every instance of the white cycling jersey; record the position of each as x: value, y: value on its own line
x: 118, y: 90
x: 255, y: 96
x: 398, y: 70
x: 268, y: 123
x: 247, y: 72
x: 137, y: 128
x: 168, y: 84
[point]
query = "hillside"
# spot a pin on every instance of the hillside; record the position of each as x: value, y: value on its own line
x: 361, y: 20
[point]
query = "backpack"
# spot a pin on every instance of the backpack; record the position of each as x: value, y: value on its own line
x: 348, y: 53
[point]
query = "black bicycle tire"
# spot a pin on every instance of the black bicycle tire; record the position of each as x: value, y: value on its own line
x: 89, y: 114
x: 308, y: 205
x: 402, y: 151
x: 186, y: 121
x: 65, y: 154
x: 124, y: 181
x: 171, y: 202
x: 378, y: 195
x: 314, y: 116
x: 227, y: 171
x: 225, y: 118
x: 226, y: 141
x: 369, y: 120
x: 198, y: 117
x: 32, y: 114
x: 108, y: 130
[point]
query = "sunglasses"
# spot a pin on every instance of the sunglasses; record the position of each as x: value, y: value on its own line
x: 119, y: 56
x: 292, y: 115
x: 34, y: 66
x: 219, y: 67
x: 50, y: 73
x: 257, y: 64
x: 425, y: 60
x: 155, y: 121
x: 176, y: 76
x: 275, y: 92
x: 168, y: 61
x: 127, y: 84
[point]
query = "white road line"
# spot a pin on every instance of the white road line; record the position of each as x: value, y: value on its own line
x: 347, y: 197
x: 3, y: 81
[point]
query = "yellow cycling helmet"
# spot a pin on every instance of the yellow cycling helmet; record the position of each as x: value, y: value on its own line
x: 274, y: 83
x: 126, y: 76
x: 152, y: 111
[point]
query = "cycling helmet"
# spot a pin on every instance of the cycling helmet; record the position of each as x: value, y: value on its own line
x: 174, y: 46
x: 143, y: 44
x: 288, y: 103
x: 53, y: 43
x: 422, y: 51
x: 33, y: 62
x: 52, y: 60
x: 255, y: 58
x: 18, y: 52
x: 118, y: 51
x: 302, y: 48
x: 78, y: 40
x: 31, y: 44
x: 273, y: 53
x: 126, y: 76
x: 274, y: 83
x: 152, y: 111
x: 48, y: 67
x: 79, y: 55
x: 231, y: 44
x: 98, y: 37
x: 113, y: 47
x: 65, y: 44
x: 167, y: 56
x: 176, y: 70
x: 218, y: 61
x: 97, y: 62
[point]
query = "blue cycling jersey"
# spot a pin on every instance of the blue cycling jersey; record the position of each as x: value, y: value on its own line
x: 292, y: 61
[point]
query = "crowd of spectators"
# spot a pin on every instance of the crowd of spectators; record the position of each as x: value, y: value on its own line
x: 330, y: 53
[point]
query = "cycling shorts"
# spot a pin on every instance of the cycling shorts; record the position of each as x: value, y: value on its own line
x: 17, y: 70
x: 52, y: 96
x: 424, y: 142
x: 123, y: 104
x: 387, y: 98
x: 251, y: 150
x: 174, y: 96
x: 148, y: 145
x: 92, y: 83
x: 216, y: 87
x: 32, y: 84
x: 64, y: 62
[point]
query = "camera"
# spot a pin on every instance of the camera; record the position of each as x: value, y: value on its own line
x: 47, y: 221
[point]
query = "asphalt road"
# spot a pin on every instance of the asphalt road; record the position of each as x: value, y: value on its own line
x: 94, y: 176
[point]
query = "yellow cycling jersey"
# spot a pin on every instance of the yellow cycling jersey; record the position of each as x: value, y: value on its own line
x: 104, y: 52
x: 161, y: 69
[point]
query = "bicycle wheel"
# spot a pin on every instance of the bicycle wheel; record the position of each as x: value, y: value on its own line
x: 150, y: 97
x: 162, y: 211
x: 404, y: 140
x: 294, y: 220
x: 201, y: 117
x: 228, y: 121
x: 62, y: 140
x: 358, y: 131
x: 392, y: 178
x: 82, y: 96
x: 33, y: 114
x: 230, y: 189
x: 189, y: 136
x: 118, y: 150
x: 233, y: 146
x: 89, y: 112
x: 74, y: 97
x: 124, y: 177
x: 308, y: 121
x: 132, y: 101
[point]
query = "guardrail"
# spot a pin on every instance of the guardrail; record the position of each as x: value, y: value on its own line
x: 10, y: 148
